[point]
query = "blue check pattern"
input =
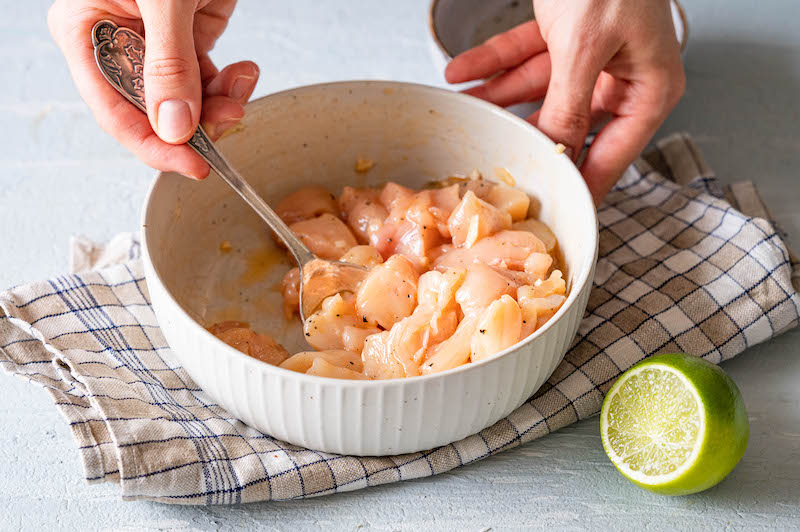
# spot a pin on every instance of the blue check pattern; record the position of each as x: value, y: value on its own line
x: 680, y: 269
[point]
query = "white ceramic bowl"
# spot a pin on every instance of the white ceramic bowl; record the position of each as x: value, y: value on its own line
x: 313, y: 135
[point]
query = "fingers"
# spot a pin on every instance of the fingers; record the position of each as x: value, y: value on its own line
x: 225, y: 96
x: 208, y: 70
x: 220, y: 113
x: 599, y: 118
x: 566, y: 113
x: 527, y: 82
x: 616, y: 146
x: 113, y: 112
x: 501, y: 52
x: 172, y: 84
x: 237, y: 81
x: 210, y: 21
x: 637, y: 118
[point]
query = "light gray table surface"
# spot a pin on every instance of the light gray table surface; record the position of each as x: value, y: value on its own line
x: 61, y: 175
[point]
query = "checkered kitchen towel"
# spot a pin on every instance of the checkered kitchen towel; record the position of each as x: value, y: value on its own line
x: 680, y: 269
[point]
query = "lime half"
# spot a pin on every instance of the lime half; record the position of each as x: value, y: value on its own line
x: 674, y: 424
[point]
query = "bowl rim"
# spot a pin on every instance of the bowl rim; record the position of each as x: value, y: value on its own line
x: 434, y: 30
x: 579, y: 284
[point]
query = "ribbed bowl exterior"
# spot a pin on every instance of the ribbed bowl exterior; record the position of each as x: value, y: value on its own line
x: 365, y: 418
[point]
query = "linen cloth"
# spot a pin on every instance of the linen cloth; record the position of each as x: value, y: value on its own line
x: 680, y: 269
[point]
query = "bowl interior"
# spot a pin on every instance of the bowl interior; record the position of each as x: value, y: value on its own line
x: 313, y: 135
x: 460, y: 25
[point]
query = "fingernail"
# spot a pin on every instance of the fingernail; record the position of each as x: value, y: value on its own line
x: 174, y: 120
x: 241, y: 86
x: 196, y: 177
x: 215, y: 130
x: 226, y: 124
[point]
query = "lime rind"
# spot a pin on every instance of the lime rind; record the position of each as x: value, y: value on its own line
x: 660, y: 426
x: 721, y: 440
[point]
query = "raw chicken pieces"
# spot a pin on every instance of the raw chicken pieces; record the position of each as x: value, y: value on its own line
x: 474, y: 219
x: 389, y: 292
x: 499, y: 328
x: 307, y: 203
x: 363, y: 211
x: 324, y: 328
x: 507, y: 249
x: 457, y: 274
x: 326, y: 236
x: 239, y: 336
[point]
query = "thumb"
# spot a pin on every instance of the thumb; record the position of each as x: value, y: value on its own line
x: 172, y: 85
x: 566, y: 113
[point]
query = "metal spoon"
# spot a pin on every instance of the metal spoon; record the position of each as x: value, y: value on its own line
x: 120, y: 55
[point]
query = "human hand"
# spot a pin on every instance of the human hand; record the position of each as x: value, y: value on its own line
x: 182, y: 85
x: 586, y: 58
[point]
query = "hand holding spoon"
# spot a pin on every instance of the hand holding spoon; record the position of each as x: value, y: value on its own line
x: 120, y: 54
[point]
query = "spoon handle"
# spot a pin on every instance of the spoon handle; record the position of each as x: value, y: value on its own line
x: 203, y: 145
x: 120, y: 55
